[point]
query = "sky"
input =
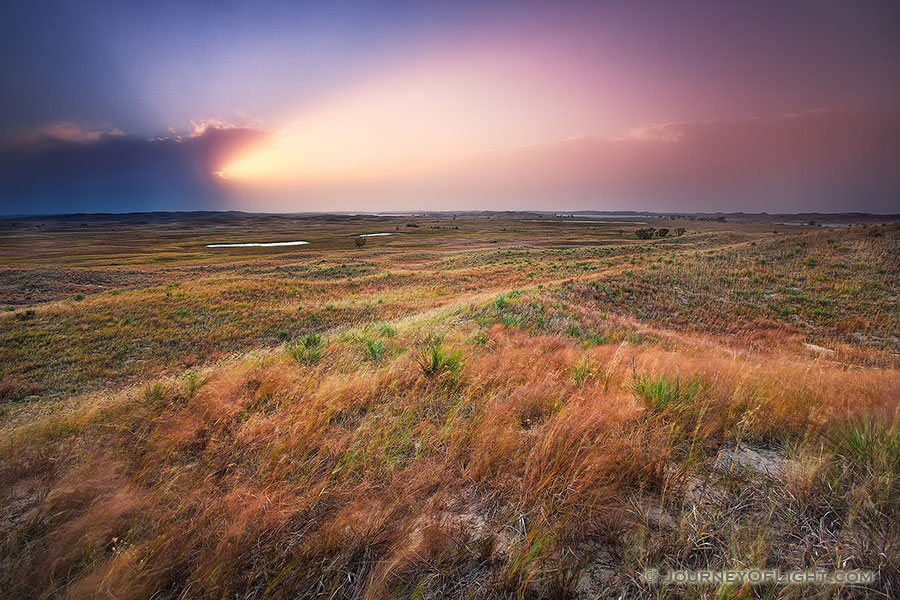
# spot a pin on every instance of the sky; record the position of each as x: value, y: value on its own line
x: 371, y: 106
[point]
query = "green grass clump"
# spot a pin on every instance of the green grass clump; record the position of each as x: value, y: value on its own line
x: 435, y: 359
x: 595, y: 339
x: 580, y: 371
x: 511, y: 320
x: 866, y: 470
x: 155, y: 393
x: 375, y: 350
x: 664, y: 392
x: 387, y: 330
x: 870, y: 445
x: 308, y: 349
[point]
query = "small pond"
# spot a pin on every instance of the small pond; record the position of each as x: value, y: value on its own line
x: 256, y: 244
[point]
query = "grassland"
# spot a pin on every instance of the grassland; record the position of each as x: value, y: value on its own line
x: 479, y: 406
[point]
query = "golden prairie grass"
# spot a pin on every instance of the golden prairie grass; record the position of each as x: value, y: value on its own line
x: 297, y: 479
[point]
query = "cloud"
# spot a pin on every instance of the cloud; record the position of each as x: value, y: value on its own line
x: 824, y: 159
x: 198, y: 128
x: 63, y: 131
x: 81, y: 170
x: 827, y: 160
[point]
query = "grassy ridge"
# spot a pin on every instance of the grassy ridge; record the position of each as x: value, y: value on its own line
x: 828, y: 287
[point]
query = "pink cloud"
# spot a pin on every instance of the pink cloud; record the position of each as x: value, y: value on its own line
x: 65, y: 131
x: 824, y: 159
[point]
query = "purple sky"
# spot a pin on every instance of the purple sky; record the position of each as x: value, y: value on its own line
x: 712, y: 106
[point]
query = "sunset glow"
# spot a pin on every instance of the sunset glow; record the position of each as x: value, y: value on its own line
x: 421, y: 120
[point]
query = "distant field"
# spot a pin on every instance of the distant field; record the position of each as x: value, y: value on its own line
x: 479, y: 405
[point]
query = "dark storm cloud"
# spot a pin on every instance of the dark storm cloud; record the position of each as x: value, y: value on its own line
x: 64, y: 169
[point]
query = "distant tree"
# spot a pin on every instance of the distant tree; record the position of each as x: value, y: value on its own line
x: 645, y: 234
x: 360, y: 242
x: 662, y: 232
x: 680, y: 231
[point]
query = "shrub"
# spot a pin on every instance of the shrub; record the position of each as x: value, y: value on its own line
x: 360, y: 242
x: 662, y: 232
x: 645, y: 234
x: 11, y: 389
x: 680, y: 231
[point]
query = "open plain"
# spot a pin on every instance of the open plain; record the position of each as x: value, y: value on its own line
x: 478, y: 405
